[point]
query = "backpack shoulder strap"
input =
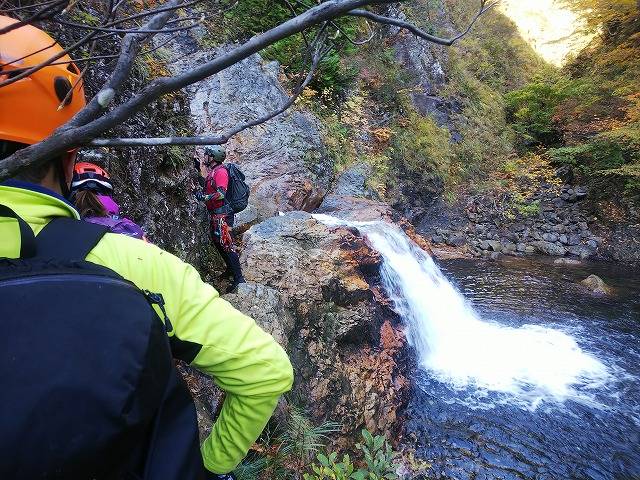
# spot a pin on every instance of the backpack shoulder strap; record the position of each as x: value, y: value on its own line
x: 68, y: 239
x: 27, y: 238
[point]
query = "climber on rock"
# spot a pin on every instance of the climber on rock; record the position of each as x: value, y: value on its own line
x: 221, y: 213
x: 92, y: 195
x: 88, y: 385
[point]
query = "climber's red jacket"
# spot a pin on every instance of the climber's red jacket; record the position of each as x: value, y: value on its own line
x: 216, y: 184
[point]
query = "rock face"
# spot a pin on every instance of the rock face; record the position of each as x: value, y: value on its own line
x: 284, y: 160
x: 266, y: 307
x: 344, y: 343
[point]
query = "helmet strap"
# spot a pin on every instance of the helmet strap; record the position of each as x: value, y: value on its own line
x: 64, y: 186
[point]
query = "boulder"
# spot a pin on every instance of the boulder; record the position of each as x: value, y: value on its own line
x: 353, y: 182
x: 508, y: 247
x: 580, y: 251
x: 597, y: 285
x: 358, y: 209
x: 346, y: 341
x: 580, y: 192
x: 549, y: 248
x: 574, y: 239
x: 456, y: 240
x: 495, y: 245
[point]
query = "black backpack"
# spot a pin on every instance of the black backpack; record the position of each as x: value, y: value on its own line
x: 88, y: 388
x: 238, y: 191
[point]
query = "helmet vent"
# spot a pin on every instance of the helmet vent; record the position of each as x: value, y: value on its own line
x: 62, y: 86
x: 73, y: 69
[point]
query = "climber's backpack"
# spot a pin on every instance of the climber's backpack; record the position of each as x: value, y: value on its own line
x: 237, y: 196
x: 88, y: 388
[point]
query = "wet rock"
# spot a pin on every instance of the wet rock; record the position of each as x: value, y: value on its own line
x: 484, y: 245
x: 564, y: 239
x: 550, y: 237
x: 521, y: 247
x: 567, y: 261
x: 437, y: 239
x: 549, y: 248
x: 597, y: 285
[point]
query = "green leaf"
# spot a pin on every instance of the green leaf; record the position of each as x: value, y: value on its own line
x: 368, y: 438
x: 323, y: 459
x: 359, y: 475
x: 378, y: 442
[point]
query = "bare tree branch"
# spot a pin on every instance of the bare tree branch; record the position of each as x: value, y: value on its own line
x: 131, y: 45
x: 47, y: 12
x: 419, y: 32
x: 351, y: 40
x: 25, y: 7
x: 152, y: 12
x: 132, y: 30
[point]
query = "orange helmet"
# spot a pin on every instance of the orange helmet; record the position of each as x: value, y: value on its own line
x: 29, y: 108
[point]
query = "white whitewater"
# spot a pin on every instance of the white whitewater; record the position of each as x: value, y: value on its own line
x: 530, y: 364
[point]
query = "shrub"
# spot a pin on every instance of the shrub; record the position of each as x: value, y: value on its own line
x: 527, y: 209
x: 422, y: 149
x: 590, y: 157
x: 284, y: 450
x: 378, y: 458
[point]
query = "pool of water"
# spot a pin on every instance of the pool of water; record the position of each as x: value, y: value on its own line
x: 470, y: 431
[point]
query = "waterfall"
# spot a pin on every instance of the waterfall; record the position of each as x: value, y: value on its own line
x: 528, y: 365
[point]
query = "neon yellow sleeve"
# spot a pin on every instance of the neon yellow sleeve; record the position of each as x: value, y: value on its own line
x: 243, y: 360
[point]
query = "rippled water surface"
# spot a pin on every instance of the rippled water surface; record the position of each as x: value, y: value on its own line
x: 477, y: 429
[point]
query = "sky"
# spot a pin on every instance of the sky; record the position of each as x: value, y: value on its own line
x: 552, y: 30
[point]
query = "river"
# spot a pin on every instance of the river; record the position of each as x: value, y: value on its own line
x: 588, y: 429
x: 521, y: 372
